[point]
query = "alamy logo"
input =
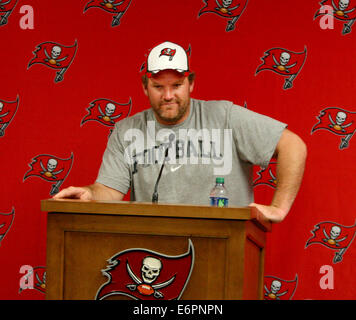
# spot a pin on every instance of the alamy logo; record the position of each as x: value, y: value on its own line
x: 188, y: 146
x: 342, y: 10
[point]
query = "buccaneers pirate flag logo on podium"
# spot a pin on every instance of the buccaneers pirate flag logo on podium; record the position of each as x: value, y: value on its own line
x: 143, y: 274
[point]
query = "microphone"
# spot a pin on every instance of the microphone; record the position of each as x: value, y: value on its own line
x: 155, y: 192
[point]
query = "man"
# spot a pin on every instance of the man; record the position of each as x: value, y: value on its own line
x: 203, y: 139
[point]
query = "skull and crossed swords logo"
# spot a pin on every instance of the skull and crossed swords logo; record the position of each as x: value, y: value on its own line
x: 282, y: 65
x: 339, y: 122
x: 273, y: 292
x: 53, y: 58
x: 333, y: 236
x: 150, y: 271
x: 279, y: 289
x: 51, y: 166
x: 144, y: 274
x: 224, y: 7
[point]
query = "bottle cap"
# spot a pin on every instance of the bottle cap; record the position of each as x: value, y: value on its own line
x: 219, y: 180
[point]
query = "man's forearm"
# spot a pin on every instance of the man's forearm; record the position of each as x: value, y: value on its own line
x: 101, y: 192
x: 291, y: 159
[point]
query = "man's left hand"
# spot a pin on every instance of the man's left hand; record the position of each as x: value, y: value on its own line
x: 270, y: 213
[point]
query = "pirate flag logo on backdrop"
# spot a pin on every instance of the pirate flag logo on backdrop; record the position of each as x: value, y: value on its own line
x: 228, y: 9
x: 55, y: 56
x: 143, y: 274
x: 342, y: 10
x: 107, y: 112
x: 51, y: 169
x: 339, y: 122
x: 115, y: 7
x: 279, y: 289
x: 6, y: 8
x: 333, y: 236
x: 283, y: 62
x: 7, y: 112
x: 6, y: 220
x: 267, y: 176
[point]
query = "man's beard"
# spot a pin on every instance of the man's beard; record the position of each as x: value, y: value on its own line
x: 182, y: 108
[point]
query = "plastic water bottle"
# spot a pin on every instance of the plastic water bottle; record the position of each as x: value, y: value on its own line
x: 218, y: 195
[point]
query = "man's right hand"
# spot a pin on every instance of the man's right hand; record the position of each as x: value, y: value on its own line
x: 82, y: 193
x: 96, y: 191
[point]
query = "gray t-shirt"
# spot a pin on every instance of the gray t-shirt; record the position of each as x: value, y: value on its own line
x: 218, y: 139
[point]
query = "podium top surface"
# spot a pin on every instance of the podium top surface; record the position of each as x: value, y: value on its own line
x: 150, y: 209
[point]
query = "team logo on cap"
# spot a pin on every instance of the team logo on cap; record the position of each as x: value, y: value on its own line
x: 342, y: 10
x: 55, y: 56
x: 51, y: 169
x: 333, y: 236
x: 168, y: 52
x: 143, y: 274
x: 228, y: 9
x: 339, y: 122
x: 6, y: 8
x: 283, y: 62
x: 279, y: 289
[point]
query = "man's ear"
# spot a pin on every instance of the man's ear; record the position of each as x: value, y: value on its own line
x: 191, y: 86
x: 144, y: 87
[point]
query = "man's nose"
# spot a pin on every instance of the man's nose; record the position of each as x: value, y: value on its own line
x: 168, y: 94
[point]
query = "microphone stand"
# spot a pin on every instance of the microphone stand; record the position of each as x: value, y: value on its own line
x: 155, y: 192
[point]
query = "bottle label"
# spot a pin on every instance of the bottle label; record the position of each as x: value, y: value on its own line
x: 219, y: 202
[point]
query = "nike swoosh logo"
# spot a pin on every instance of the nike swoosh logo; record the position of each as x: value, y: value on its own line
x: 175, y: 169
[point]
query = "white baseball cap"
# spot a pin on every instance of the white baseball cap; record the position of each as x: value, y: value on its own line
x: 167, y: 55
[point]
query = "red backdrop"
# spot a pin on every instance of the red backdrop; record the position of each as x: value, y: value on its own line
x: 43, y: 119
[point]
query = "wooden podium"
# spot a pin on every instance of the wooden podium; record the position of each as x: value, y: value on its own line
x: 229, y: 245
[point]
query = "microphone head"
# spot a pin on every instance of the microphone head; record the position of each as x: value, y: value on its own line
x: 171, y: 137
